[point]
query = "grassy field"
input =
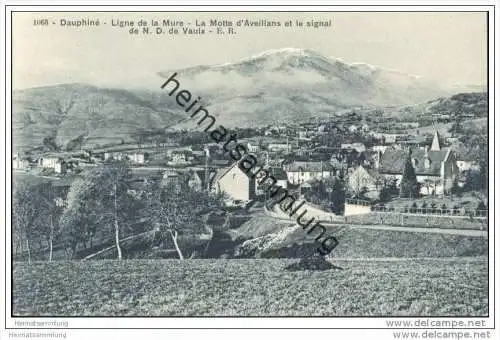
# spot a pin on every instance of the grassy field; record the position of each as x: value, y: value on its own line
x: 437, y: 287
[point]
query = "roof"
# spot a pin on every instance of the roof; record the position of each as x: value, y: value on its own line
x: 201, y: 174
x: 298, y: 166
x: 222, y: 172
x: 372, y: 172
x: 393, y: 161
x: 417, y: 140
x: 278, y: 173
x: 220, y: 162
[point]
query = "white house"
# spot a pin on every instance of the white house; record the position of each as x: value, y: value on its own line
x: 20, y: 162
x: 138, y: 157
x: 114, y: 155
x: 253, y: 147
x: 53, y: 162
x: 279, y: 147
x: 60, y: 167
x: 48, y: 162
x: 379, y: 148
x: 235, y: 183
x: 359, y: 147
x: 302, y: 172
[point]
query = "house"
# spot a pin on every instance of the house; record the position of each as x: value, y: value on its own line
x: 200, y: 179
x: 60, y: 167
x: 300, y: 172
x: 20, y: 162
x: 52, y: 162
x: 390, y: 138
x: 365, y: 128
x: 353, y: 128
x: 364, y: 180
x: 138, y: 157
x: 278, y: 174
x: 48, y: 162
x: 379, y: 148
x: 279, y: 147
x: 359, y: 147
x: 171, y: 176
x: 436, y: 168
x: 87, y: 154
x: 181, y: 157
x: 253, y: 147
x: 303, y: 134
x: 118, y: 156
x: 416, y: 141
x: 235, y: 183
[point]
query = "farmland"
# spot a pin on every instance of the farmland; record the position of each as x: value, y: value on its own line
x: 257, y: 287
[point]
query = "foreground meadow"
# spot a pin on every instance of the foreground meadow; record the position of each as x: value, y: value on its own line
x: 261, y: 287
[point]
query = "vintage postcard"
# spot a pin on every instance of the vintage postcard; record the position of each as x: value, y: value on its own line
x: 251, y: 163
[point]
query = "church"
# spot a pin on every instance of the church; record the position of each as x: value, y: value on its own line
x: 436, y: 167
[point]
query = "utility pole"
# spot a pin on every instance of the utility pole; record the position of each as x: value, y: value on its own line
x: 51, y: 237
x: 117, y: 230
x: 207, y: 154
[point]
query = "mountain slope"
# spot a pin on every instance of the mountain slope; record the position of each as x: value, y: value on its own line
x: 274, y: 86
x: 83, y: 112
x: 295, y: 83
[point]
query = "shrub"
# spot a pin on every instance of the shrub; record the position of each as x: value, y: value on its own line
x: 385, y: 194
x: 433, y: 208
x: 444, y: 209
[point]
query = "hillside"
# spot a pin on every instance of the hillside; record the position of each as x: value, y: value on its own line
x: 295, y: 83
x: 465, y: 105
x: 274, y: 86
x: 82, y: 114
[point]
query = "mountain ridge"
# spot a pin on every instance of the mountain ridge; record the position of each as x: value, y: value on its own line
x: 274, y: 86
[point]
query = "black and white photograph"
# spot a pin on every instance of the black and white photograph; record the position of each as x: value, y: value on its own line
x: 251, y: 164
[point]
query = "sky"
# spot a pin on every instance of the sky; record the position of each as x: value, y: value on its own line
x: 444, y: 47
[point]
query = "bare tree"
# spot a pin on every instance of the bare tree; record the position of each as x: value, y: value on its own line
x: 181, y: 211
x: 99, y: 198
x: 30, y: 210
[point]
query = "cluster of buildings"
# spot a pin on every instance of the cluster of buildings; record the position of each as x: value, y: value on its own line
x: 295, y: 155
x: 365, y: 170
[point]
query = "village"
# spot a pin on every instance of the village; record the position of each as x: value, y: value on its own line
x: 368, y: 163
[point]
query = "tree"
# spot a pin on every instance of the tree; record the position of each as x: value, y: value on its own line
x: 336, y: 194
x: 180, y: 211
x: 476, y: 142
x: 33, y: 209
x: 52, y: 207
x: 409, y: 186
x: 99, y: 199
x: 24, y: 215
x: 356, y: 181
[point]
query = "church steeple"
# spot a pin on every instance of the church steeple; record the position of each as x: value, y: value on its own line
x: 436, y: 146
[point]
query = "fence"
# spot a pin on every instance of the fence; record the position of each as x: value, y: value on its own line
x: 457, y: 212
x: 358, y: 202
x: 387, y: 217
